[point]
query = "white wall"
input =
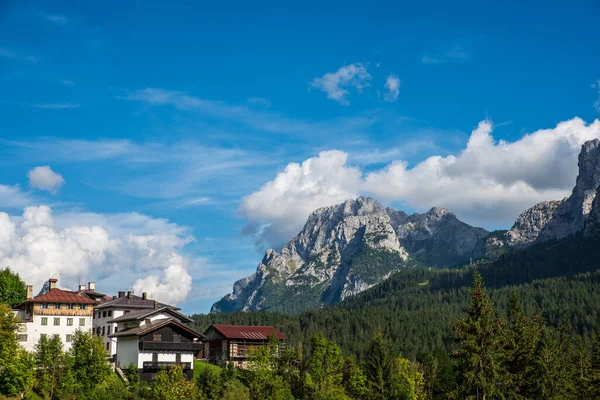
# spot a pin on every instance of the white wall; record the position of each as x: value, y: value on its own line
x: 35, y: 329
x: 102, y: 322
x: 128, y: 352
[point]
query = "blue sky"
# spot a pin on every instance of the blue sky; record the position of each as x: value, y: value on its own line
x: 173, y: 126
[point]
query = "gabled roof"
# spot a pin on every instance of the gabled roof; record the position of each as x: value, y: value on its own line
x: 247, y: 332
x: 131, y: 302
x: 145, y: 313
x: 61, y: 296
x: 92, y: 294
x: 152, y: 326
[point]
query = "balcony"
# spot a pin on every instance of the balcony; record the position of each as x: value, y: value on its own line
x: 170, y: 346
x: 158, y: 365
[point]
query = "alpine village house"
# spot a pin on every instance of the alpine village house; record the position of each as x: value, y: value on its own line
x: 135, y: 330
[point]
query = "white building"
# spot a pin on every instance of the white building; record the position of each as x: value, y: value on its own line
x: 57, y: 312
x: 154, y: 339
x: 119, y: 305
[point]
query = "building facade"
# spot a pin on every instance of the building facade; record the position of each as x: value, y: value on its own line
x: 225, y: 344
x: 115, y: 307
x: 155, y: 339
x: 57, y: 312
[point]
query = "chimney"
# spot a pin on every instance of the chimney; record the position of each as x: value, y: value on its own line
x: 155, y: 304
x: 29, y: 292
x: 121, y: 294
x: 129, y: 295
x: 81, y: 287
x: 114, y: 297
x: 144, y: 296
x: 92, y: 286
x: 52, y: 283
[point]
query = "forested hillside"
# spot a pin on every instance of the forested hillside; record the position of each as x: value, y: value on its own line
x: 415, y: 309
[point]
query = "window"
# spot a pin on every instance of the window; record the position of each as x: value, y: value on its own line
x: 156, y: 337
x: 44, y: 306
x: 81, y: 321
x: 70, y: 306
x: 55, y: 336
x: 110, y: 313
x: 43, y: 336
x: 107, y: 346
x: 22, y: 338
x: 57, y: 306
x: 108, y: 330
x: 69, y: 321
x: 69, y: 338
x: 98, y: 331
x: 103, y: 332
x: 176, y: 338
x: 155, y: 357
x: 44, y: 320
x: 104, y: 314
x: 147, y: 321
x: 116, y: 327
x: 56, y: 321
x: 82, y: 306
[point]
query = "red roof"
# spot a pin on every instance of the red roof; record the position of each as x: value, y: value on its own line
x: 248, y: 332
x: 61, y: 296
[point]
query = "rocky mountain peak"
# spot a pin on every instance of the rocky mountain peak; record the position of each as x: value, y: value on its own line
x: 571, y: 215
x: 346, y: 248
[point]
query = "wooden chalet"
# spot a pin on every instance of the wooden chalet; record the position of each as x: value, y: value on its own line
x: 225, y: 344
x: 155, y: 339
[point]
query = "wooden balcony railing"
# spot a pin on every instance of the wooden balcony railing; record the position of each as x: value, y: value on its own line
x: 171, y: 346
x: 157, y: 365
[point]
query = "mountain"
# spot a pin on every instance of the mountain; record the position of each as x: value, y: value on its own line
x: 347, y: 248
x: 552, y: 220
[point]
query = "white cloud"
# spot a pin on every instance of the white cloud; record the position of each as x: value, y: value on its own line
x: 392, y: 85
x: 488, y: 183
x: 256, y: 118
x: 13, y: 197
x: 279, y: 207
x: 117, y: 251
x: 334, y: 83
x: 44, y: 178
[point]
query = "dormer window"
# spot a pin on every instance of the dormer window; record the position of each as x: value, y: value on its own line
x: 57, y: 306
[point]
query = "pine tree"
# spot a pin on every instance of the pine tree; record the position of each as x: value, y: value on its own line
x: 480, y: 353
x: 522, y: 340
x: 553, y: 374
x: 377, y: 367
x: 595, y: 367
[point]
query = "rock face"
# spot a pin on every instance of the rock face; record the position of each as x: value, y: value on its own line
x: 554, y: 220
x: 345, y: 249
x: 530, y: 224
x: 571, y: 216
x: 436, y: 237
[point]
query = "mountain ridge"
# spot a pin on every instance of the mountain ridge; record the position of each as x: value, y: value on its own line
x: 348, y: 248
